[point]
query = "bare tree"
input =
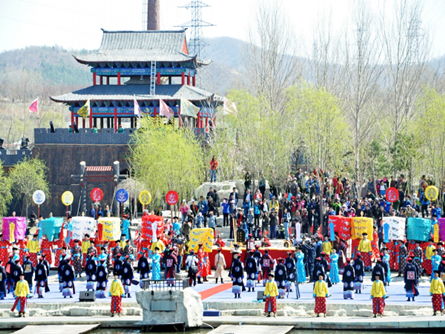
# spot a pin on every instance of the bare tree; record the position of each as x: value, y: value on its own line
x: 270, y: 59
x: 406, y: 51
x: 362, y: 71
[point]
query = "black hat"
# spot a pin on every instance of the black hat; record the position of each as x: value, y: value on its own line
x: 271, y: 275
x: 436, y: 271
x: 364, y: 233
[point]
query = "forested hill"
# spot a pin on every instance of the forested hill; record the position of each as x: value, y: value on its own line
x: 56, y: 66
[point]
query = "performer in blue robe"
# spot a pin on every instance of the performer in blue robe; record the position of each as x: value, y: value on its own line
x: 411, y: 278
x: 333, y: 273
x: 90, y: 271
x: 155, y: 264
x: 301, y: 271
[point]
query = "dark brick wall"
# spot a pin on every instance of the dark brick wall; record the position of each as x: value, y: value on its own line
x: 13, y: 157
x: 64, y: 160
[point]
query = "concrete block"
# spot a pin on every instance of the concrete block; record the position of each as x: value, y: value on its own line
x: 364, y: 313
x: 416, y: 312
x: 188, y: 307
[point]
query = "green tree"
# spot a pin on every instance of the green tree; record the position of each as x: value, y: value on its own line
x: 428, y: 129
x: 255, y: 139
x: 26, y: 177
x: 5, y: 191
x: 166, y: 158
x: 319, y: 125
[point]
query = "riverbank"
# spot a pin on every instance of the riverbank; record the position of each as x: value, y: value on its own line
x: 425, y: 324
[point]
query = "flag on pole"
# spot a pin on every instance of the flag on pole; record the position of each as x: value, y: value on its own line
x: 34, y: 107
x: 84, y: 111
x: 229, y: 107
x: 137, y: 109
x: 188, y: 108
x: 165, y: 110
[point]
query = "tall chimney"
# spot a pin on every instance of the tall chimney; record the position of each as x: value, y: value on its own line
x: 154, y: 15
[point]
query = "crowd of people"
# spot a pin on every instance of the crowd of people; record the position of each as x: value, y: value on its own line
x: 297, y: 212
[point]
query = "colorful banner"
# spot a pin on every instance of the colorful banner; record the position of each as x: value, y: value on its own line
x: 152, y: 223
x: 441, y: 229
x: 80, y: 226
x: 418, y: 229
x: 342, y: 226
x: 14, y: 228
x: 394, y: 228
x: 110, y: 227
x: 202, y: 236
x: 361, y: 225
x: 50, y: 227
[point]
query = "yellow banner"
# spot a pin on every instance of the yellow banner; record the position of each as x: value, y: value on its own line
x: 361, y: 225
x: 202, y: 236
x: 84, y: 111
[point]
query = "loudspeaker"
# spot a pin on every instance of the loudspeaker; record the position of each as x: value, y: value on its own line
x: 87, y: 296
x: 260, y: 295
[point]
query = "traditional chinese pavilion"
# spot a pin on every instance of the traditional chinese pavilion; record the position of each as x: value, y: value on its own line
x: 148, y: 66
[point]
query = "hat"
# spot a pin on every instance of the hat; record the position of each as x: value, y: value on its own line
x: 250, y: 235
x: 192, y: 251
x: 219, y: 249
x: 280, y: 259
x: 436, y: 271
x: 257, y: 246
x: 102, y: 260
x: 323, y: 254
x: 348, y: 260
x: 364, y: 233
x: 119, y: 254
x: 124, y: 216
x: 271, y: 275
x: 409, y: 259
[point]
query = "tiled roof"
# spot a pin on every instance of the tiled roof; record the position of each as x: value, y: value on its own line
x: 141, y: 46
x: 142, y: 92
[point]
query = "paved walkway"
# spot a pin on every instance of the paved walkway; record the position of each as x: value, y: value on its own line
x: 212, y: 292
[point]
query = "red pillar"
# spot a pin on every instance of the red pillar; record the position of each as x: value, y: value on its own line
x: 72, y: 119
x: 198, y: 123
x: 183, y: 78
x: 194, y: 80
x: 91, y: 117
x: 207, y: 122
x: 83, y: 123
x: 154, y: 113
x: 159, y: 79
x: 101, y: 80
x: 188, y: 80
x: 94, y: 78
x: 119, y: 78
x: 179, y: 117
x: 108, y: 80
x: 115, y: 119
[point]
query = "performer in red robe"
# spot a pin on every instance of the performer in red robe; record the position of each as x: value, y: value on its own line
x: 46, y: 248
x: 5, y: 247
x: 60, y: 244
x: 22, y: 244
x: 375, y: 245
x: 202, y: 264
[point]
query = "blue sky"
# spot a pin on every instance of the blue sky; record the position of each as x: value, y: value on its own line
x: 75, y: 24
